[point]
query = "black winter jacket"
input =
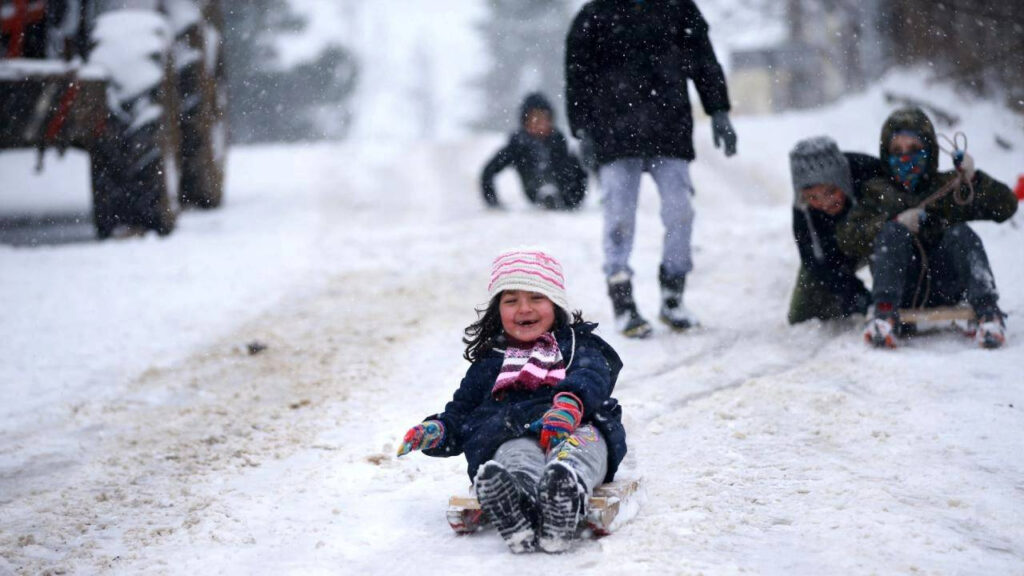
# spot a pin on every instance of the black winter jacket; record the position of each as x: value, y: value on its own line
x: 627, y: 65
x: 836, y: 270
x: 538, y: 162
x: 477, y: 424
x: 884, y: 197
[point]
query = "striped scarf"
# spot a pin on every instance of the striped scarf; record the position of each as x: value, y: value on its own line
x: 529, y: 366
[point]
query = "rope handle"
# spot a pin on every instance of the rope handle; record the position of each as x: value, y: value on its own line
x: 957, y: 148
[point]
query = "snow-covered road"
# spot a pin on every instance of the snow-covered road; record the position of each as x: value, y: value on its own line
x: 139, y: 437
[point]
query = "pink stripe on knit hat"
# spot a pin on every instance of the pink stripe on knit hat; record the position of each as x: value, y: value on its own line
x: 538, y: 259
x: 530, y: 270
x: 502, y: 268
x: 513, y: 271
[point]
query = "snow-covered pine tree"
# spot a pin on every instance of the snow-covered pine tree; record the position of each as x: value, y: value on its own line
x: 525, y: 42
x: 269, y: 103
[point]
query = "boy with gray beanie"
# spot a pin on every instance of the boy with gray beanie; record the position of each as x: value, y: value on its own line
x: 827, y: 183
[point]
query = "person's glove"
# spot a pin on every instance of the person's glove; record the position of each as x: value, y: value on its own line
x: 722, y: 132
x: 911, y: 218
x: 423, y: 436
x: 588, y: 156
x: 964, y: 164
x: 490, y: 195
x: 560, y: 420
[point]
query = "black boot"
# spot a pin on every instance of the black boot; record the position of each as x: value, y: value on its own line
x: 627, y: 319
x: 510, y: 503
x: 673, y: 312
x: 563, y: 503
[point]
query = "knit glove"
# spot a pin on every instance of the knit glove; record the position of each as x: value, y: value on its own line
x: 722, y: 132
x: 423, y: 436
x: 560, y: 420
x: 911, y: 218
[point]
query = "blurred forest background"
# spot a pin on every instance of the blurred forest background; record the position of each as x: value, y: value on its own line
x: 271, y: 102
x: 820, y: 50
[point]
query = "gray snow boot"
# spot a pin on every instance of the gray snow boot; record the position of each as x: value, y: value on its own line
x: 673, y: 312
x: 563, y: 503
x: 627, y: 319
x: 510, y: 504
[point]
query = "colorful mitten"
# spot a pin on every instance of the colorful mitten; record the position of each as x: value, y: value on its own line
x: 423, y: 436
x: 560, y: 420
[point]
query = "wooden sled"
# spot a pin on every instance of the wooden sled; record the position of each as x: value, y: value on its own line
x: 611, y: 505
x: 961, y: 318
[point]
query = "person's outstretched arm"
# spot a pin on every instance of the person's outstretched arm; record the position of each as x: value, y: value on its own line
x: 496, y: 164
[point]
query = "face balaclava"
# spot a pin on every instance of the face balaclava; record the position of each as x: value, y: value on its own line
x: 909, y: 168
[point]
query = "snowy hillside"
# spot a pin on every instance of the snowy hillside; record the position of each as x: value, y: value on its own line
x: 137, y: 435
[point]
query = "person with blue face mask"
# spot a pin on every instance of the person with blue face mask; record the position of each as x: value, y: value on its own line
x: 923, y: 254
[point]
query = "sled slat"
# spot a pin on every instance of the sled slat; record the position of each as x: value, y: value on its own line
x: 467, y: 502
x: 938, y: 314
x: 603, y: 495
x: 465, y: 515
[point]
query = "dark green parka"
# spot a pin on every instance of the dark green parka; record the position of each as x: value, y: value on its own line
x: 884, y: 197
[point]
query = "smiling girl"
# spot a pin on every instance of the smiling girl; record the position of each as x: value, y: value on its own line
x: 534, y: 414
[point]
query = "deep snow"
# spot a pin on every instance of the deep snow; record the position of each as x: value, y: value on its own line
x: 137, y: 436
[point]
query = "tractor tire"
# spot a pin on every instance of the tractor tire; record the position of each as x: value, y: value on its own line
x: 107, y: 192
x: 135, y: 163
x: 132, y: 174
x: 202, y: 88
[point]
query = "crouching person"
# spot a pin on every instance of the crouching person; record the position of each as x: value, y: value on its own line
x: 552, y: 176
x: 827, y: 184
x: 923, y: 253
x: 534, y: 414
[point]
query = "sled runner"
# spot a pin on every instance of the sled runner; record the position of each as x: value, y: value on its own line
x: 611, y: 505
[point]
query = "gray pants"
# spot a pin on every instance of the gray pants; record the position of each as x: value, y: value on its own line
x: 585, y: 451
x: 620, y: 188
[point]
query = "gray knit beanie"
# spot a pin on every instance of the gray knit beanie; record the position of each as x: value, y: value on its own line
x: 818, y: 161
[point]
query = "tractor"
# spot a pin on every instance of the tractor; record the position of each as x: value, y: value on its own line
x: 137, y: 84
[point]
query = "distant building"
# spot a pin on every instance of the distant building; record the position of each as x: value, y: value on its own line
x: 790, y: 76
x: 832, y: 48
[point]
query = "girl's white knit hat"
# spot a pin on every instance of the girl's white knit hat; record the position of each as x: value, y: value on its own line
x: 530, y: 270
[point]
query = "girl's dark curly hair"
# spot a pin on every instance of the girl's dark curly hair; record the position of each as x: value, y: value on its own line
x: 487, y: 331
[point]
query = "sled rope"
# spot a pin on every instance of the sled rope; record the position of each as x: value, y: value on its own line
x: 956, y: 186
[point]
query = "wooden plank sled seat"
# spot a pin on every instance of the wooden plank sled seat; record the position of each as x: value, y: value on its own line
x: 923, y: 319
x: 612, y: 505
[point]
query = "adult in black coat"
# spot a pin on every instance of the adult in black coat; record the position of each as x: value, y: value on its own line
x: 827, y: 184
x: 627, y: 67
x: 551, y: 176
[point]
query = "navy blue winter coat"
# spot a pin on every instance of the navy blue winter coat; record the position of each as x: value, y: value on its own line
x: 477, y: 424
x: 538, y: 161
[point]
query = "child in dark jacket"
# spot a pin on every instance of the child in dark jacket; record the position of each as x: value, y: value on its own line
x: 552, y: 177
x: 534, y: 414
x: 827, y: 184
